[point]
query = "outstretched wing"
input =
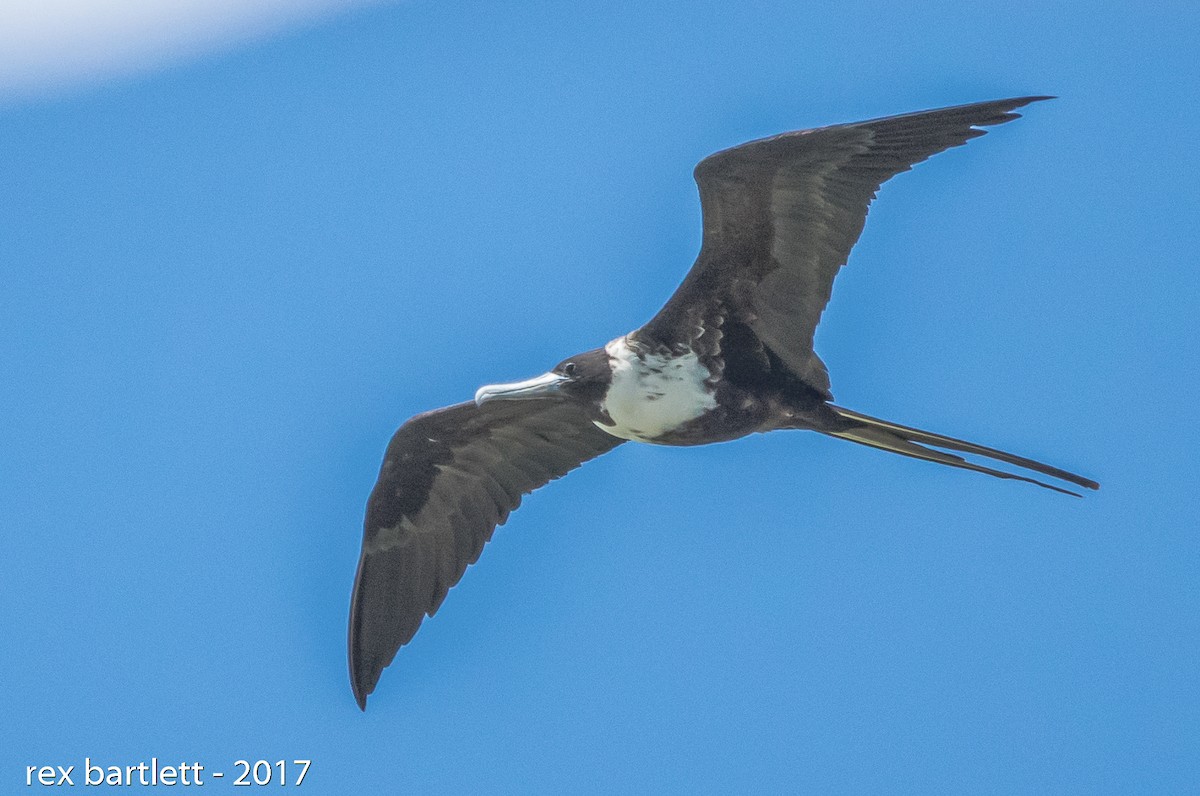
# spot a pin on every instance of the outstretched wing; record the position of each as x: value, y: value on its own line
x: 449, y: 477
x: 781, y: 215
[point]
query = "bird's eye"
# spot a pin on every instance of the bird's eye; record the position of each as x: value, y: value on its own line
x: 569, y: 369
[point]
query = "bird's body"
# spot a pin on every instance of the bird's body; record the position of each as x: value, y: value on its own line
x: 729, y: 354
x: 652, y: 396
x: 676, y: 397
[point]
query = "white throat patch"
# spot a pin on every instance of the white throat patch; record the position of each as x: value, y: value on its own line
x: 652, y: 395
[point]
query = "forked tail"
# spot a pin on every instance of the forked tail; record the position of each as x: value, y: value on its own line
x: 907, y: 441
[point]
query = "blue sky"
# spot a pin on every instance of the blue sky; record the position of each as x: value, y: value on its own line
x: 227, y: 278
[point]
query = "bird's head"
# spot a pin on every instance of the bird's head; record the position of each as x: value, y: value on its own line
x: 584, y: 378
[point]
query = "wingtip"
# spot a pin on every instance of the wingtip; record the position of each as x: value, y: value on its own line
x: 360, y: 684
x: 1026, y: 101
x: 1006, y: 110
x: 1010, y: 108
x: 1019, y: 102
x: 360, y: 693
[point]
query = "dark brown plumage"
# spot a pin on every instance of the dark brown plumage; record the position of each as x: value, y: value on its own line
x: 449, y: 477
x: 731, y: 353
x: 782, y: 213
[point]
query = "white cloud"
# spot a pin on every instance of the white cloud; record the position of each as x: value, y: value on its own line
x: 49, y: 44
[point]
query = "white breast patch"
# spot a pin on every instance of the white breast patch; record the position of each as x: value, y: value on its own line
x: 651, y: 396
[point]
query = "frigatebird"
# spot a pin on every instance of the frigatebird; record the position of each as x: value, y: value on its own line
x: 730, y: 353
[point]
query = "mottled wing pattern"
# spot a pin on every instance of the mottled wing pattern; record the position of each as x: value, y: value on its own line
x: 449, y: 477
x: 781, y: 215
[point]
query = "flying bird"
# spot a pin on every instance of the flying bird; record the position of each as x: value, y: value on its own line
x: 730, y: 353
